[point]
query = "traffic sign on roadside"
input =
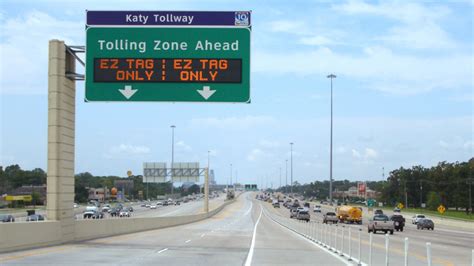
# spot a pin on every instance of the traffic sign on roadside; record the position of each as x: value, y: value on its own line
x: 370, y: 202
x: 441, y: 209
x: 400, y: 206
x: 156, y: 62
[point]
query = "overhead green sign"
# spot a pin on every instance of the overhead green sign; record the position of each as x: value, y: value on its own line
x: 174, y: 64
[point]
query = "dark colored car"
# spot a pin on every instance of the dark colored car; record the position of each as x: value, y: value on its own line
x: 165, y: 203
x: 425, y: 224
x: 115, y: 211
x: 7, y: 218
x: 93, y: 215
x: 35, y: 217
x: 398, y: 222
x: 306, y: 205
x: 293, y: 212
x: 130, y: 209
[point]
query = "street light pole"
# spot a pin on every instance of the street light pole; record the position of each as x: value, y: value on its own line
x: 231, y: 175
x: 172, y: 158
x: 286, y: 176
x: 280, y: 177
x: 291, y: 167
x: 208, y: 159
x: 331, y: 76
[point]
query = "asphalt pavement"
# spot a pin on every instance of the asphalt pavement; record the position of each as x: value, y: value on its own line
x: 241, y: 234
x: 449, y: 246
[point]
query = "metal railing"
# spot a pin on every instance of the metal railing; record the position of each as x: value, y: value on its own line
x: 339, y: 239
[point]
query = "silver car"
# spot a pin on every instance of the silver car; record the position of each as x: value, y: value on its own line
x: 380, y: 223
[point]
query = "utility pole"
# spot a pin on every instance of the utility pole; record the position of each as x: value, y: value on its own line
x: 330, y: 76
x: 406, y: 195
x: 421, y: 193
x: 231, y: 175
x: 172, y: 158
x: 470, y: 198
x: 291, y: 167
x: 280, y: 177
x: 286, y: 176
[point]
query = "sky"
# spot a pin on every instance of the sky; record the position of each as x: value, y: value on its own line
x: 403, y: 95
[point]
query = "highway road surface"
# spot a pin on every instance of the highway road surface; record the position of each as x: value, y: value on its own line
x: 241, y: 234
x: 449, y: 245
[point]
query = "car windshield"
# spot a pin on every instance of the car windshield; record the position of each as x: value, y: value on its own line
x: 330, y: 214
x: 380, y: 218
x: 421, y: 216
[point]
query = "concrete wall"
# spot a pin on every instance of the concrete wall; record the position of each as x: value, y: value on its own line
x: 14, y: 236
x: 17, y: 236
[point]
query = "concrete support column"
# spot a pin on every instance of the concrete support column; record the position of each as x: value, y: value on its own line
x: 61, y: 132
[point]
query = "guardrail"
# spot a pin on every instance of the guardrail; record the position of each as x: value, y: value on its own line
x: 332, y: 237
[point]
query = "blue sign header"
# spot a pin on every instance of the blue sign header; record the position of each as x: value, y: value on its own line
x: 168, y: 18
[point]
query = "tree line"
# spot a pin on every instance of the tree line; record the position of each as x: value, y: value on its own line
x: 450, y: 184
x: 12, y: 177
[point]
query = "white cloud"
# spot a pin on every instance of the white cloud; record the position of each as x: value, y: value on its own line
x: 316, y: 40
x: 405, y: 74
x: 255, y: 154
x: 269, y: 144
x: 418, y: 27
x: 368, y: 155
x: 129, y: 149
x: 341, y: 150
x: 469, y: 145
x: 242, y: 123
x: 401, y: 11
x: 443, y: 144
x: 289, y: 26
x: 425, y: 36
x: 182, y: 146
x: 356, y: 154
x: 24, y: 50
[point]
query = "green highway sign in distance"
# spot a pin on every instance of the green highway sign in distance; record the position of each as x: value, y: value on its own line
x: 172, y: 64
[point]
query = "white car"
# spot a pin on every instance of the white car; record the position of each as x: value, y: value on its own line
x: 317, y: 208
x: 152, y: 207
x: 147, y: 206
x: 416, y: 218
x: 124, y: 213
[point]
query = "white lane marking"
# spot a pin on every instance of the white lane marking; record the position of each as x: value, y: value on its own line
x: 248, y: 211
x: 203, y: 235
x: 163, y: 250
x: 248, y: 261
x: 187, y: 241
x: 323, y: 249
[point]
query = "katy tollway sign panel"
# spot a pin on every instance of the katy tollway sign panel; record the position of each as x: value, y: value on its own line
x: 172, y: 56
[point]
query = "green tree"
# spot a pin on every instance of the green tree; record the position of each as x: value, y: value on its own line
x: 434, y: 200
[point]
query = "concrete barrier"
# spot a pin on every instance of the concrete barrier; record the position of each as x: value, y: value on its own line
x: 14, y: 236
x: 18, y: 236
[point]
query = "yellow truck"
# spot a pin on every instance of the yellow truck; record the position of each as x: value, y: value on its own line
x: 349, y: 214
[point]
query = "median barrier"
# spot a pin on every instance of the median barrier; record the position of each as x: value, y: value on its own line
x: 25, y: 235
